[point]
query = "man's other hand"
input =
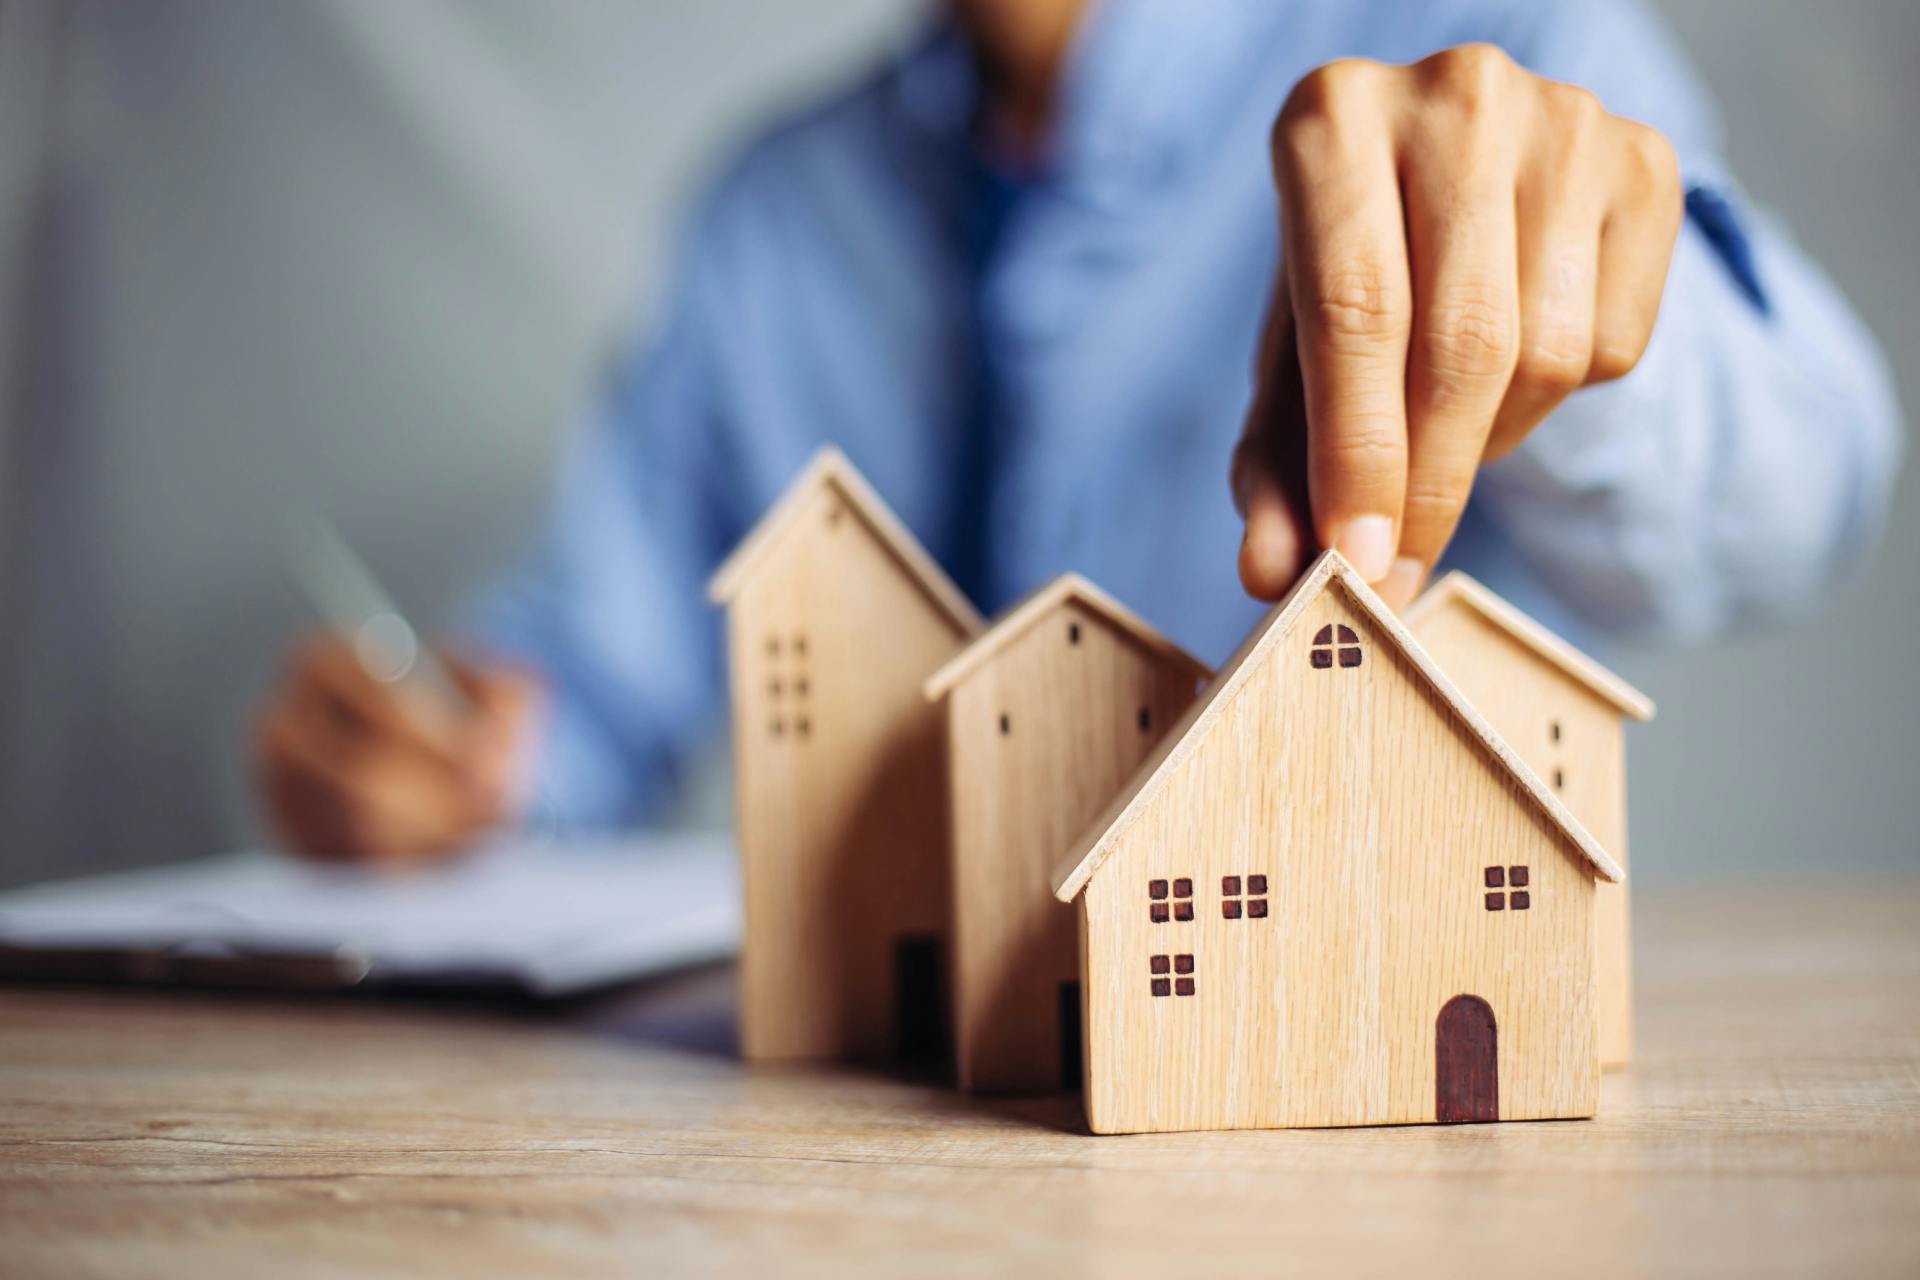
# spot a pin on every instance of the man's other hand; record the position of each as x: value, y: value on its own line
x: 352, y: 769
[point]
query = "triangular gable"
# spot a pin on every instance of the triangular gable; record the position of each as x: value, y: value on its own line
x: 829, y: 468
x: 1023, y: 617
x: 1608, y: 687
x: 1071, y: 876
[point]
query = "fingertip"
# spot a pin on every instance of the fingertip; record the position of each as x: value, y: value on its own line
x: 1402, y: 583
x: 1368, y: 543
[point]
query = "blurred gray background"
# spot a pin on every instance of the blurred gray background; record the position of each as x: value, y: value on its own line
x: 373, y: 255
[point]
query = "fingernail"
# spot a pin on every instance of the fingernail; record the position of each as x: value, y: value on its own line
x: 1367, y: 543
x: 1402, y: 581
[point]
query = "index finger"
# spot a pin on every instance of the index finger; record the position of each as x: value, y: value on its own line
x: 1346, y: 255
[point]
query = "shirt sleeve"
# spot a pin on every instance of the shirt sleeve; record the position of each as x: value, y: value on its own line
x: 611, y: 610
x: 1748, y: 460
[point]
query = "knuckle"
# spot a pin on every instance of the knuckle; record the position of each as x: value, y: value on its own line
x: 1356, y: 302
x: 1471, y: 75
x: 1651, y: 159
x: 1471, y: 334
x: 1324, y: 91
x: 1575, y: 111
x: 1434, y: 501
x: 1367, y: 445
x: 1614, y: 357
x: 1554, y: 362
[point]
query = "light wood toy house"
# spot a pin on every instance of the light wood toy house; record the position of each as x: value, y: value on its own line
x: 1562, y: 714
x: 835, y: 617
x: 1334, y: 896
x: 1048, y: 713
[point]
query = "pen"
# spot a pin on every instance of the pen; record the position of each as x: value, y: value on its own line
x: 346, y: 595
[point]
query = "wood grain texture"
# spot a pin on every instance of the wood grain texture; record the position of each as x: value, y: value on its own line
x: 1768, y: 1129
x: 840, y: 778
x: 1569, y: 730
x: 1329, y: 568
x: 1374, y: 815
x: 1041, y: 732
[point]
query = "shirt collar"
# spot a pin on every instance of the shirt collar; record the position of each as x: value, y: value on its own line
x: 1147, y: 82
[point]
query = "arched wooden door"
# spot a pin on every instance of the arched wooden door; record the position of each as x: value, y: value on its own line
x: 1466, y: 1075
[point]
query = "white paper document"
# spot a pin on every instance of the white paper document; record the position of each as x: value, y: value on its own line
x: 548, y: 920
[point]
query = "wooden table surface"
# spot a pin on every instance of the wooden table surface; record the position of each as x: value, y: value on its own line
x: 1771, y: 1127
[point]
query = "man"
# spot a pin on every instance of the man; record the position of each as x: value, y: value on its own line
x: 1021, y: 276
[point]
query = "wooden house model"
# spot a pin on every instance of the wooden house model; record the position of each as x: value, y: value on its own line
x: 1047, y: 714
x: 1563, y: 714
x: 1332, y: 895
x: 835, y: 618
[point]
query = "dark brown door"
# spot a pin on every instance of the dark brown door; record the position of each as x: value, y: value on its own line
x: 1466, y: 1063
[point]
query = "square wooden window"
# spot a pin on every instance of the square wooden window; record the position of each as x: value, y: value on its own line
x: 1161, y: 985
x: 1517, y: 877
x: 1496, y: 902
x: 1237, y: 900
x: 1181, y: 907
x: 1496, y: 877
x: 1321, y: 659
x: 1520, y: 899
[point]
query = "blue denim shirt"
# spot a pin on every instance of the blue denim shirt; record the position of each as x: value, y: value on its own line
x: 1049, y: 372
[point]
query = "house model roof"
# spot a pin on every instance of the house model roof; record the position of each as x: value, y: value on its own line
x: 1080, y: 866
x: 1017, y: 621
x: 1608, y: 687
x: 830, y: 469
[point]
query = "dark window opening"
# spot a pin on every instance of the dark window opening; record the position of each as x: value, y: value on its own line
x: 1559, y: 779
x: 1334, y: 638
x: 1006, y: 725
x: 1159, y: 911
x: 1553, y: 730
x: 1146, y: 720
x: 1179, y: 986
x: 788, y: 689
x: 1252, y: 903
x: 1513, y: 877
x: 1073, y: 633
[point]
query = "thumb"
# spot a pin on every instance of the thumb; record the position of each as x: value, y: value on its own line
x: 1269, y: 473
